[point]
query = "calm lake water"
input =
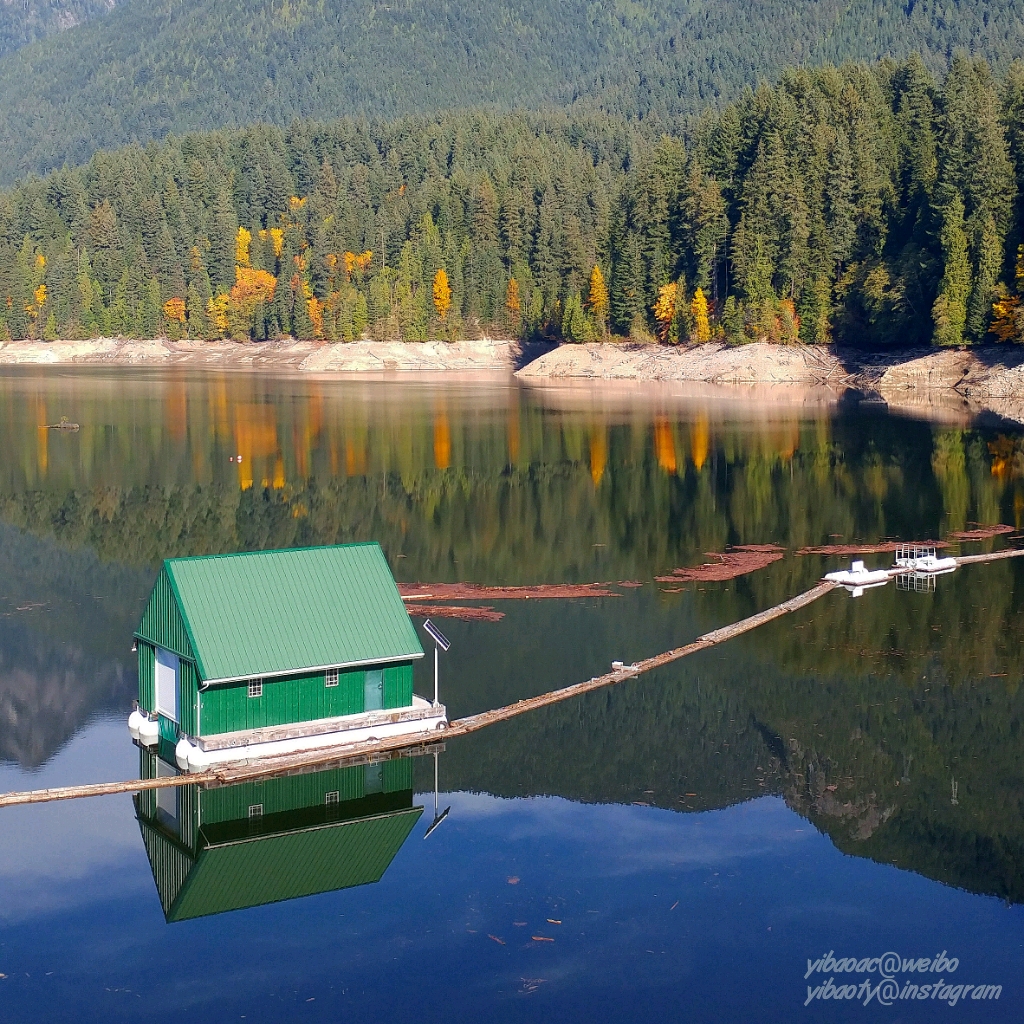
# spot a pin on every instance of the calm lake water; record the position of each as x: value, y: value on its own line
x: 847, y: 780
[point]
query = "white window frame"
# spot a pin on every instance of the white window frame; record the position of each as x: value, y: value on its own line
x: 167, y: 674
x: 331, y: 799
x: 255, y: 688
x: 331, y: 678
x: 255, y: 811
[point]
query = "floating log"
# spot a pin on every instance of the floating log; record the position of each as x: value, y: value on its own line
x: 868, y: 549
x: 374, y: 750
x: 482, y: 592
x: 982, y: 532
x: 736, y: 561
x: 63, y: 425
x: 467, y: 613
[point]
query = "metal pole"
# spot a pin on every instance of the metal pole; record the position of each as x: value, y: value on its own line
x: 436, y: 702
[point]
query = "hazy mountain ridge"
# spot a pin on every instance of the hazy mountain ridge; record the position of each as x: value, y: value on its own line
x: 26, y: 21
x: 158, y: 66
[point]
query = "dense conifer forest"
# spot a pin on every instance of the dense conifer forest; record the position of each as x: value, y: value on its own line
x: 149, y: 67
x: 864, y: 204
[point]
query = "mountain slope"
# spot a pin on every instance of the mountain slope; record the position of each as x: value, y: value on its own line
x: 158, y: 66
x: 25, y: 21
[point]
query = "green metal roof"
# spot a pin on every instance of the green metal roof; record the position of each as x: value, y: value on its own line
x: 264, y: 613
x: 283, y: 866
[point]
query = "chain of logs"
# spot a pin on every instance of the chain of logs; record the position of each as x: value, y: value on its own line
x: 378, y: 750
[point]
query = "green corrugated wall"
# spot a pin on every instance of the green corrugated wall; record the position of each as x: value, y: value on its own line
x: 162, y: 623
x: 295, y: 792
x: 147, y: 677
x: 398, y: 686
x: 291, y: 699
x: 189, y: 698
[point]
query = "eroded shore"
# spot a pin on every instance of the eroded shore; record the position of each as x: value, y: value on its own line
x: 305, y: 356
x: 949, y: 384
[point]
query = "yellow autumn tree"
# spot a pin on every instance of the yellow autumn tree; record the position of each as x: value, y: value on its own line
x: 512, y: 302
x: 699, y: 312
x: 665, y: 310
x: 355, y: 262
x: 174, y: 316
x: 442, y: 293
x: 174, y: 310
x: 276, y: 236
x: 1007, y: 315
x: 217, y: 312
x: 597, y: 300
x: 242, y: 241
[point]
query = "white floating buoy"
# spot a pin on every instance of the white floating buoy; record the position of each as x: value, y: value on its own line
x: 198, y: 759
x: 149, y: 732
x: 858, y: 577
x: 135, y: 720
x: 181, y: 752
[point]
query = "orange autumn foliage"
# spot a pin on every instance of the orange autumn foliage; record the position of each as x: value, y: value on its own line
x: 665, y: 309
x: 174, y: 310
x: 442, y: 293
x: 316, y: 314
x: 355, y: 262
x: 252, y: 286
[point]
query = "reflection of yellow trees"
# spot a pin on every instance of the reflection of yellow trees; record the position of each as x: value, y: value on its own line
x: 42, y: 440
x: 442, y: 441
x: 176, y: 410
x: 360, y: 462
x: 700, y: 437
x: 664, y: 445
x: 355, y: 458
x: 513, y: 436
x: 255, y: 437
x: 598, y: 454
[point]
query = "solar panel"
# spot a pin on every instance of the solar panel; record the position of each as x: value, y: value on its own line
x: 436, y: 635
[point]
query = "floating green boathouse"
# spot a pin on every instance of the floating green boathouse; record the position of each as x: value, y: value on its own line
x: 267, y: 652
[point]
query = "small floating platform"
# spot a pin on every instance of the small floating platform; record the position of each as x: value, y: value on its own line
x: 918, y: 558
x: 857, y: 579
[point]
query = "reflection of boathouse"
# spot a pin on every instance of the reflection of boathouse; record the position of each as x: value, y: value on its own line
x: 244, y: 845
x: 262, y: 653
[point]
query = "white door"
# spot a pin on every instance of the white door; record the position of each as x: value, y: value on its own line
x: 168, y: 690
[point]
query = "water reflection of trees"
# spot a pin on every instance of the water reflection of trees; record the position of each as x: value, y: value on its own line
x: 861, y: 714
x: 495, y: 487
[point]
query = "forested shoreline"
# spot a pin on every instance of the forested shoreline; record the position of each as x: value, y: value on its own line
x: 869, y: 205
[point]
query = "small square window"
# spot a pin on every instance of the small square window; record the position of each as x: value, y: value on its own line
x: 331, y: 677
x: 255, y: 810
x: 255, y: 687
x: 331, y: 798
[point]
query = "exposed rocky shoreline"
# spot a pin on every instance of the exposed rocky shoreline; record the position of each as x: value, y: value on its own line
x: 305, y: 356
x: 946, y: 383
x: 932, y: 382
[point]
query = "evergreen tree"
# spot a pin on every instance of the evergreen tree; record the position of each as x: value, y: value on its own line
x: 950, y: 310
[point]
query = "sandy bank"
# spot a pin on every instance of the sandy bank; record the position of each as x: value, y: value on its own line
x: 949, y: 385
x: 953, y: 386
x: 307, y: 356
x: 709, y: 364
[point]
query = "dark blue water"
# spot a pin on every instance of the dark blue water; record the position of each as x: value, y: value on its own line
x: 661, y: 915
x: 847, y: 781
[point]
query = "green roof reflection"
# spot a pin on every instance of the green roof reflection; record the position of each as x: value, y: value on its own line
x: 265, y: 869
x: 245, y: 845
